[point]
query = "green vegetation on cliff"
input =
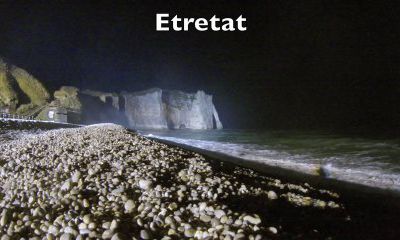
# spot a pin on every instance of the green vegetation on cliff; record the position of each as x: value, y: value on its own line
x: 20, y: 92
x: 67, y: 97
x: 32, y: 87
x: 8, y: 96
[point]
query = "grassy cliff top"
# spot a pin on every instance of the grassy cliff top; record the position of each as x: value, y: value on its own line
x: 31, y: 86
x: 7, y: 94
x: 67, y: 97
x: 17, y: 87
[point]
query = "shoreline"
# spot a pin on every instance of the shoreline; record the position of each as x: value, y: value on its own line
x: 108, y: 182
x: 366, y: 204
x: 289, y: 174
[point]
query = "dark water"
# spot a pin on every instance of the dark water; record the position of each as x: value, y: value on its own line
x: 373, y: 162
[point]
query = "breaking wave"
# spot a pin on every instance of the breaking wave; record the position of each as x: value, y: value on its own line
x: 355, y: 161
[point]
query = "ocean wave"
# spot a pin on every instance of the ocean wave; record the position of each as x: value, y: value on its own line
x: 346, y: 167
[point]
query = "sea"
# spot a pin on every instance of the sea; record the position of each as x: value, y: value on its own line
x: 369, y: 161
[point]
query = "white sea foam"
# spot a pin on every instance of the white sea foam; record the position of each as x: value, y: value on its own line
x: 337, y: 167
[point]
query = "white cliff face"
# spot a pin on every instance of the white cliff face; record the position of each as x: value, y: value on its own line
x: 145, y: 109
x: 158, y: 109
x: 186, y: 110
x: 218, y: 123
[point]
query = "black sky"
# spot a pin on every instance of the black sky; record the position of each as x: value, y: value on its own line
x: 300, y: 64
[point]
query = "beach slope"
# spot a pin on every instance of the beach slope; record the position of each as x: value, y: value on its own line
x: 107, y: 182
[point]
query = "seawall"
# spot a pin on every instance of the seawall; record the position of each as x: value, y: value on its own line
x: 19, y: 124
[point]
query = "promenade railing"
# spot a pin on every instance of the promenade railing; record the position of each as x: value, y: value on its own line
x: 6, y: 115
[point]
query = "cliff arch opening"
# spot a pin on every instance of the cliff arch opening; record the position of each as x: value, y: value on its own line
x: 214, y: 122
x: 109, y: 101
x: 121, y: 104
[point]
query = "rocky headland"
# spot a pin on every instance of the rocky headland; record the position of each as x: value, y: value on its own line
x: 160, y: 109
x: 24, y: 95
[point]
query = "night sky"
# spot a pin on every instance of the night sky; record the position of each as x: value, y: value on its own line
x: 332, y: 65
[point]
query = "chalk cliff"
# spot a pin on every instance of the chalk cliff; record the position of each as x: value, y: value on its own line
x: 107, y: 98
x: 24, y: 95
x: 158, y: 109
x: 145, y: 109
x: 190, y: 110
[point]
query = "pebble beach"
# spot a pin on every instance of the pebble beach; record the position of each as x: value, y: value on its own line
x: 107, y: 182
